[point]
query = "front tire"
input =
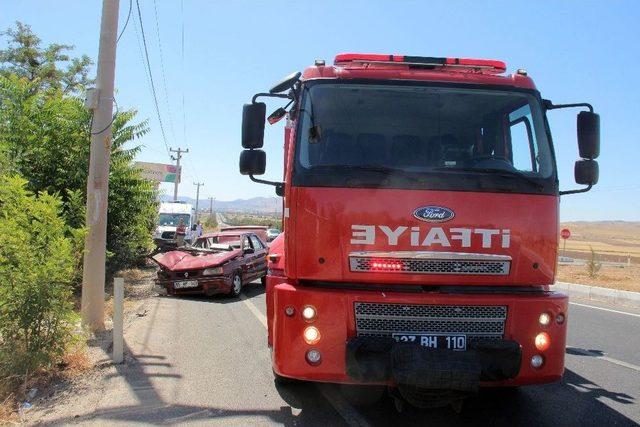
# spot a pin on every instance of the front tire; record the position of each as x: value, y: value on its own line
x: 236, y: 285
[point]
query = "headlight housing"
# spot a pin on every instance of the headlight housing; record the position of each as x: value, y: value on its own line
x: 215, y: 271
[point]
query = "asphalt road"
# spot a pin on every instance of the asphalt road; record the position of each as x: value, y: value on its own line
x: 204, y: 361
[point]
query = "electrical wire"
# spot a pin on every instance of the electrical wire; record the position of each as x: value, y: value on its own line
x: 164, y: 79
x: 126, y: 22
x: 153, y: 87
x: 113, y: 119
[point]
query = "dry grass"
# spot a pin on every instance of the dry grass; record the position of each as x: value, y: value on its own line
x: 614, y: 239
x: 613, y: 277
x: 75, y: 363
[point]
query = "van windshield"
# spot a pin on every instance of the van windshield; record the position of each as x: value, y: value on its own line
x: 167, y: 219
x: 392, y: 131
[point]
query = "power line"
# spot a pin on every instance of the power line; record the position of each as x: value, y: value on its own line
x: 164, y: 79
x: 184, y: 114
x: 126, y: 22
x: 153, y: 87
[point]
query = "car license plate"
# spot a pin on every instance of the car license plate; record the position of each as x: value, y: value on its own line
x: 181, y: 284
x: 451, y: 342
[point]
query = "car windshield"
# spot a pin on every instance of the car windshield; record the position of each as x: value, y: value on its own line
x: 167, y: 219
x: 400, y: 129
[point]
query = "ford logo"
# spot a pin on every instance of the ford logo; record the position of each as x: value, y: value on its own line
x: 433, y: 214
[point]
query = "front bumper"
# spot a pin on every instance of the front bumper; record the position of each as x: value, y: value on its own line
x: 206, y: 286
x: 508, y: 364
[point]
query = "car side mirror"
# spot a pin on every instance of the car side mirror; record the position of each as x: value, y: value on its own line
x: 589, y: 135
x: 253, y: 117
x: 194, y: 227
x: 253, y: 162
x: 248, y: 250
x: 586, y: 172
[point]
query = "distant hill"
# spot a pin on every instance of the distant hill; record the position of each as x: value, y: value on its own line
x: 254, y: 205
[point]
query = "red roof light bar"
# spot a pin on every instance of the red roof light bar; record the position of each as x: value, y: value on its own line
x: 487, y: 65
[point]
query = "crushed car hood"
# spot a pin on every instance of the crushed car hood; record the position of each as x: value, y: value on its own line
x: 182, y: 260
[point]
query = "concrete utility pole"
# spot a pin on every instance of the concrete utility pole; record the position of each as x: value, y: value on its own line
x: 179, y: 172
x: 92, y: 304
x: 199, y: 184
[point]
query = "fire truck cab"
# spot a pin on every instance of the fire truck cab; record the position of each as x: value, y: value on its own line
x: 421, y: 204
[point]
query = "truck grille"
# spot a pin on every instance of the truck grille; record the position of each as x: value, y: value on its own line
x: 477, y: 322
x: 168, y: 234
x: 429, y: 263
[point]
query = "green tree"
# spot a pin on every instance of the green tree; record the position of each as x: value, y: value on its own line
x: 46, y: 135
x: 46, y: 67
x: 37, y: 259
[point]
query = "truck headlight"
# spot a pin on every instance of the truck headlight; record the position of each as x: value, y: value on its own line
x: 216, y: 271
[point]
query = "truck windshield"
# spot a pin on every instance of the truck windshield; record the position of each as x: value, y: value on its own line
x: 167, y: 219
x: 411, y: 133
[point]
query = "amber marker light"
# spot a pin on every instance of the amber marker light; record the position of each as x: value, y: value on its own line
x: 542, y: 341
x: 311, y: 335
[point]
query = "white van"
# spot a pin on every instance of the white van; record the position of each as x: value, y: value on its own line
x: 170, y: 214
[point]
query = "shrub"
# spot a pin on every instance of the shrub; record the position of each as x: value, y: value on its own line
x: 593, y: 266
x: 38, y: 255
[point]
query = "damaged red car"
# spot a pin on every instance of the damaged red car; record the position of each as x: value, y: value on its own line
x: 217, y: 263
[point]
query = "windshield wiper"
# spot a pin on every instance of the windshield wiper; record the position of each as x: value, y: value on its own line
x: 370, y: 168
x: 497, y: 171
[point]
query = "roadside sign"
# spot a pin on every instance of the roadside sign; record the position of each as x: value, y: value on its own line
x: 159, y: 172
x: 565, y: 233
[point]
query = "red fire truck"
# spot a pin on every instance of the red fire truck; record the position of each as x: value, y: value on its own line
x: 421, y: 225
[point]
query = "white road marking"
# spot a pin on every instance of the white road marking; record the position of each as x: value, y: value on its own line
x: 261, y: 317
x: 605, y: 309
x: 339, y: 403
x: 606, y: 358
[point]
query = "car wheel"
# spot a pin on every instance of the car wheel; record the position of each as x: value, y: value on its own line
x: 263, y: 280
x: 236, y: 285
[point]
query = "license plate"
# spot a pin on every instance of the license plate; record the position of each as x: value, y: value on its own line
x: 181, y: 284
x: 450, y: 342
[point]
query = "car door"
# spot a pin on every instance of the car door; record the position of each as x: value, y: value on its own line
x: 260, y: 253
x: 248, y: 268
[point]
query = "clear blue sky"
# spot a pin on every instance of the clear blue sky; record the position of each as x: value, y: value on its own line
x: 576, y: 51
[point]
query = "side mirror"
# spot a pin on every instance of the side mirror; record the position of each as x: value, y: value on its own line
x: 586, y: 172
x: 286, y: 83
x: 253, y: 116
x: 248, y: 250
x: 253, y: 162
x: 194, y: 227
x: 588, y: 135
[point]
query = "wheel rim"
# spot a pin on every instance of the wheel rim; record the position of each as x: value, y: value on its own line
x: 236, y: 284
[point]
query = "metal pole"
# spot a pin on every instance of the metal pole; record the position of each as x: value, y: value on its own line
x: 199, y: 184
x: 118, y: 315
x: 92, y: 305
x: 210, y: 206
x: 177, y: 158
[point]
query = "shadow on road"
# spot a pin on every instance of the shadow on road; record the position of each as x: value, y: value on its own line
x: 574, y: 401
x: 151, y: 407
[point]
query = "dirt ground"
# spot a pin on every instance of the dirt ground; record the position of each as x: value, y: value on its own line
x: 626, y: 278
x: 81, y: 370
